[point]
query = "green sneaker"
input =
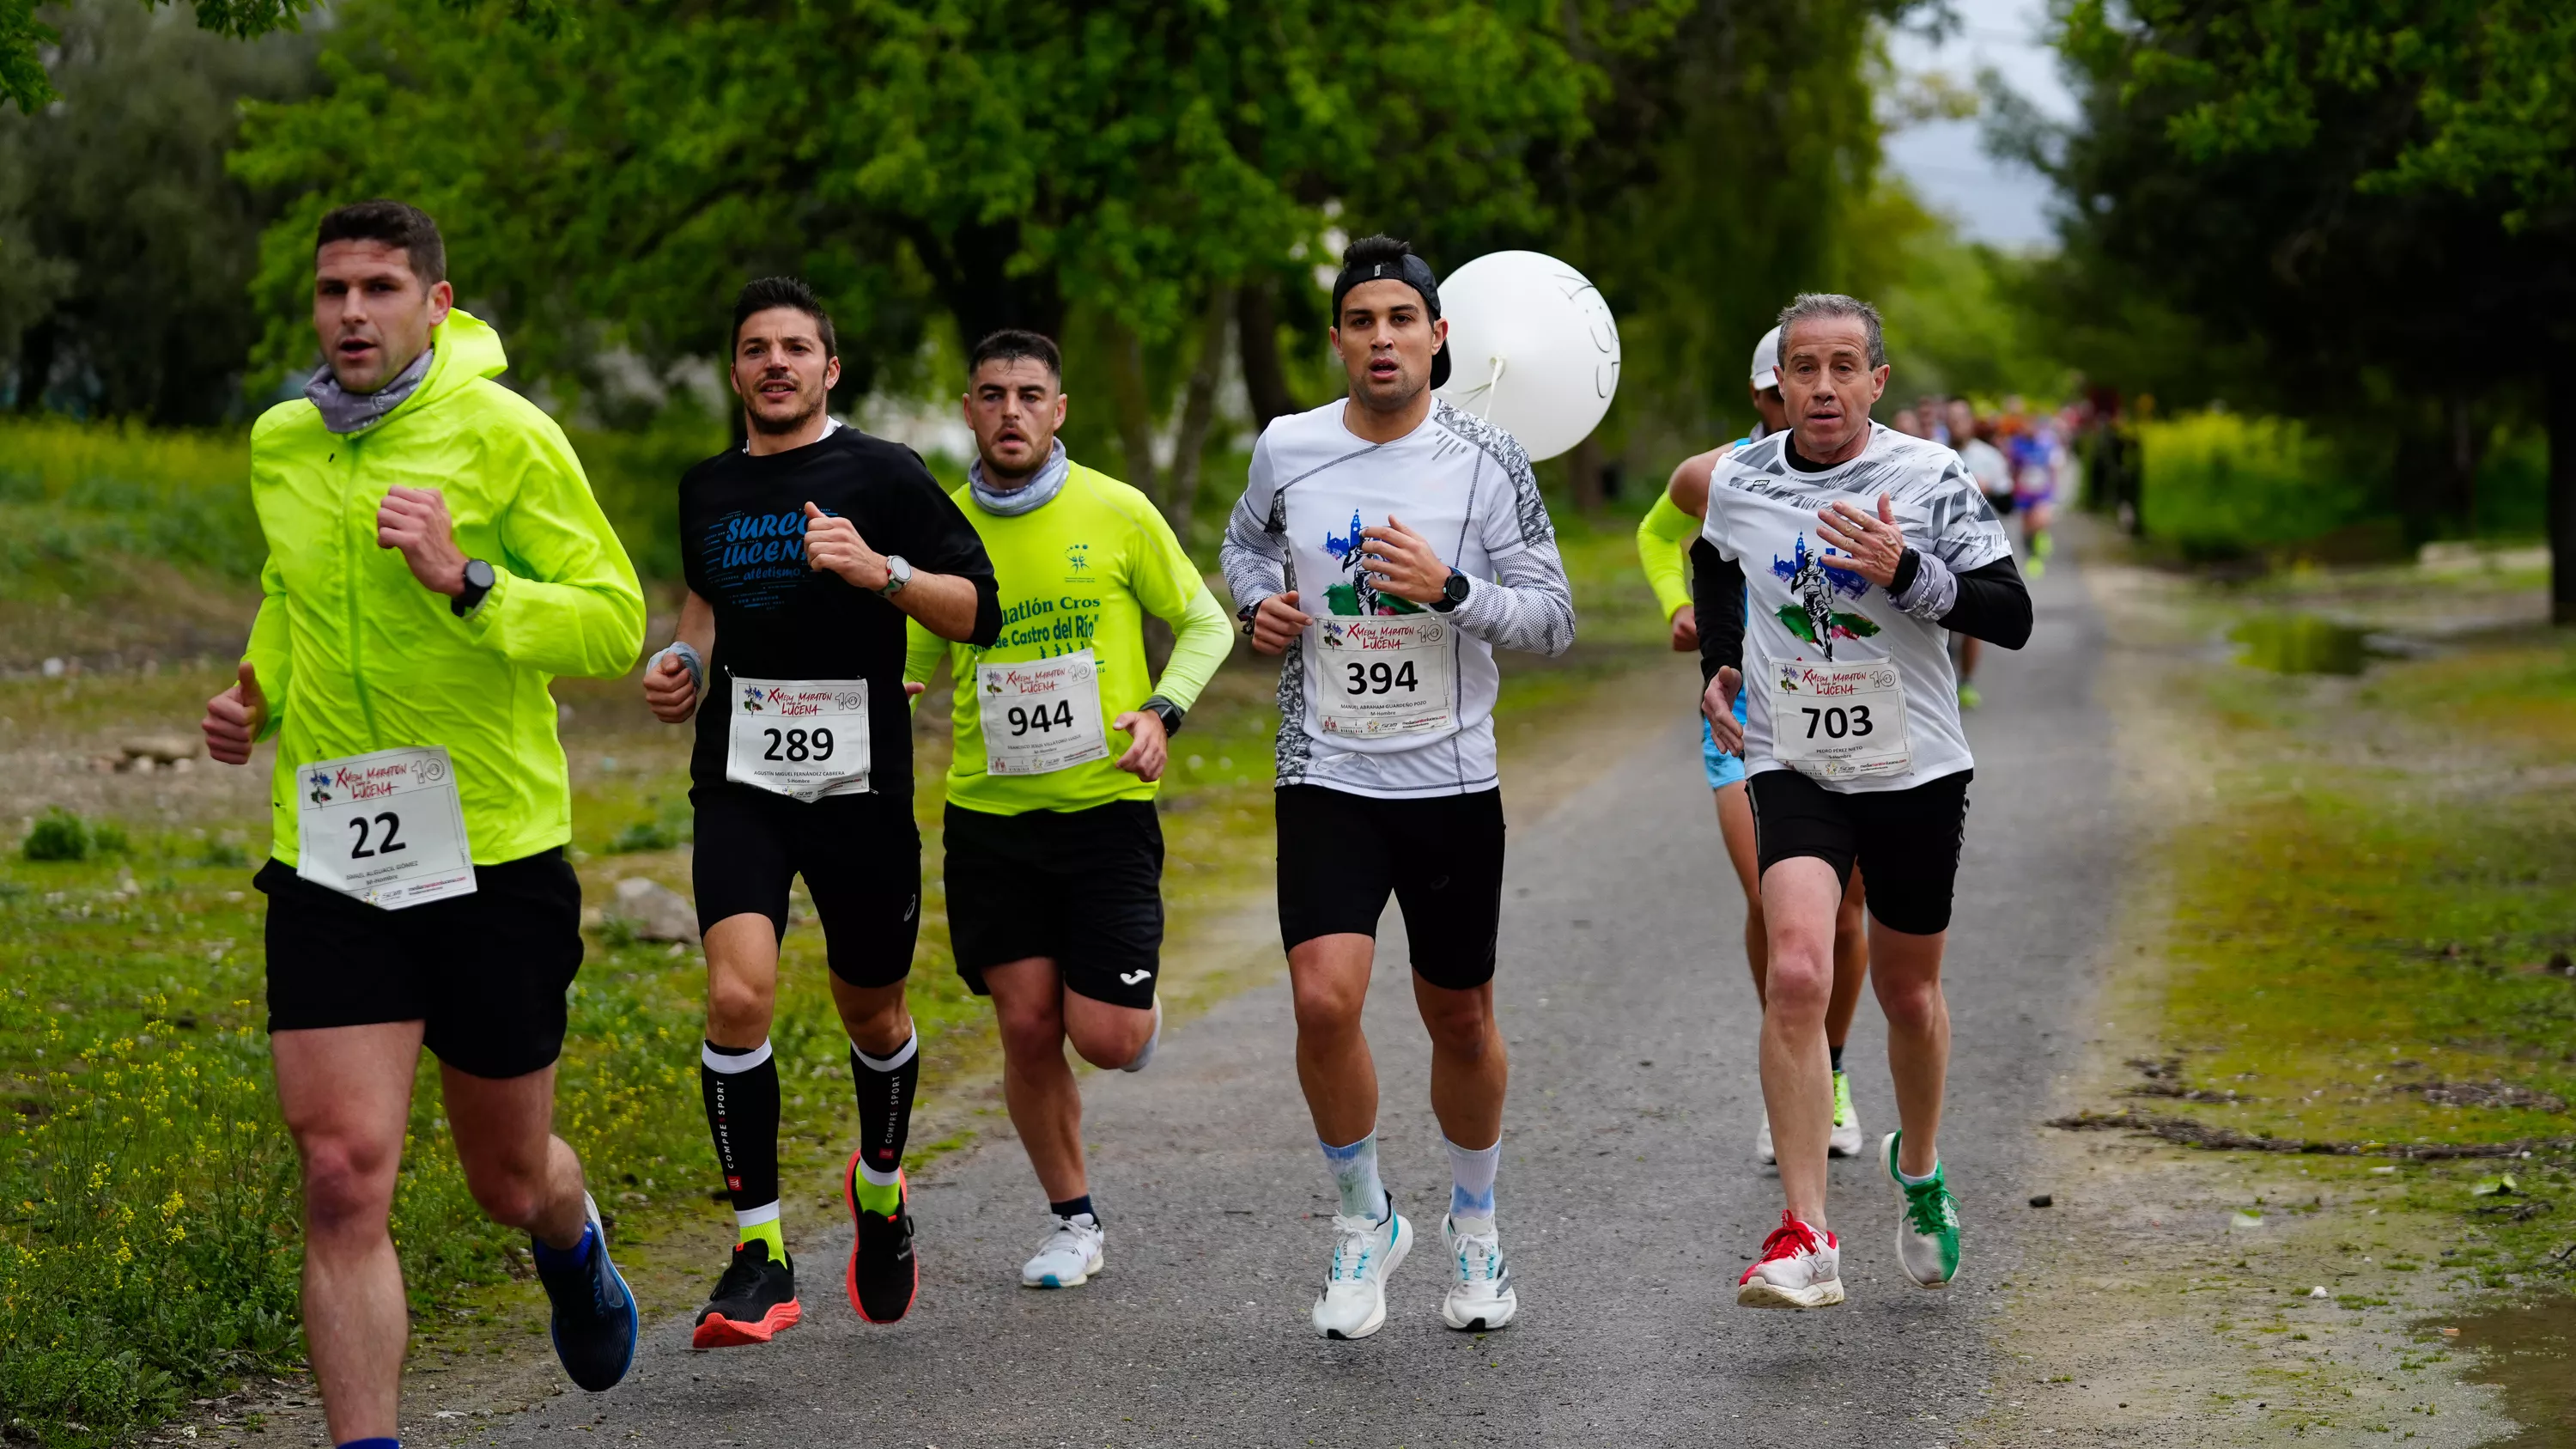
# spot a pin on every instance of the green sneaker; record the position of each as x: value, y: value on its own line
x: 1968, y: 696
x: 2036, y: 566
x: 1846, y: 1138
x: 1927, y: 1240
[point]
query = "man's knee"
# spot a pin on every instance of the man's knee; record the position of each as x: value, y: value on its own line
x: 736, y: 1008
x: 1800, y: 980
x: 1461, y: 1023
x: 1110, y: 1045
x: 1910, y: 1004
x: 1326, y: 1005
x: 510, y: 1193
x: 348, y: 1184
x: 1029, y: 1028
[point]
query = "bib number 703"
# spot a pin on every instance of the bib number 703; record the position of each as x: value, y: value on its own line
x: 385, y: 844
x: 1837, y: 721
x: 1378, y: 678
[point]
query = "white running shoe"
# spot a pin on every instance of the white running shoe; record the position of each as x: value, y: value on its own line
x: 1353, y: 1303
x: 1482, y: 1297
x: 1799, y: 1268
x: 1762, y: 1152
x: 1070, y: 1254
x: 1846, y: 1138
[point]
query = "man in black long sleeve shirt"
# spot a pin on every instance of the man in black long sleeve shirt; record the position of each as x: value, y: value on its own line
x: 1855, y: 548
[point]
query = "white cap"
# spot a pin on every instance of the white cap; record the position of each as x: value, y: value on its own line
x: 1766, y: 360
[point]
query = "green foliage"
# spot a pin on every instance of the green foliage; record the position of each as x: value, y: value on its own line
x: 1959, y: 323
x: 58, y: 834
x: 125, y: 249
x: 2220, y: 484
x: 77, y: 501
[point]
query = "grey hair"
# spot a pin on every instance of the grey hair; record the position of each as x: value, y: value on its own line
x: 1821, y: 306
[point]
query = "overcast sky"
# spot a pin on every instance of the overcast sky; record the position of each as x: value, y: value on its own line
x: 1945, y: 161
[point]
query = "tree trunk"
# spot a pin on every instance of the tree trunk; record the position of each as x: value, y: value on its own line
x: 1133, y: 408
x: 1264, y: 380
x: 2464, y: 464
x: 1198, y: 413
x: 2561, y: 406
x: 1585, y: 464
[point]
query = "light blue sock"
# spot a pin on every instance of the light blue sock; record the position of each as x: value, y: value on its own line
x: 1354, y: 1170
x: 1471, y: 1179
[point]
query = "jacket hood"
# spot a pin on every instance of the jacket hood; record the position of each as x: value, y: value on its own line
x: 467, y: 349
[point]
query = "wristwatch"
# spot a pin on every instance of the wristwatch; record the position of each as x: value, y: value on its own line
x: 1169, y: 713
x: 898, y: 574
x: 1452, y: 593
x: 479, y: 579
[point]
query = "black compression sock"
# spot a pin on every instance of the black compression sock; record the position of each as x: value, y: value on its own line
x: 1073, y: 1207
x: 740, y: 1086
x: 885, y: 1086
x: 1837, y: 1054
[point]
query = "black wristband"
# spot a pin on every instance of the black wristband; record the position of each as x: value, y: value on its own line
x: 1172, y: 715
x: 1908, y: 564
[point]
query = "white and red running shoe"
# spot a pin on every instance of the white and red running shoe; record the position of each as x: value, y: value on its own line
x: 1799, y: 1268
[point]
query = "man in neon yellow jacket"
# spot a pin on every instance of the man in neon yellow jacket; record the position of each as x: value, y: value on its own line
x: 435, y: 558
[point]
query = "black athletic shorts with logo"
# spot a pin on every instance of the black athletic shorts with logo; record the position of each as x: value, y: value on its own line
x: 1083, y: 888
x: 860, y: 856
x: 484, y: 973
x: 1906, y: 842
x: 1441, y: 856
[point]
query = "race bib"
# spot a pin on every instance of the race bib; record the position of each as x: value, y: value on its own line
x: 1838, y: 721
x: 385, y: 828
x: 802, y: 738
x: 1385, y: 675
x: 1041, y: 715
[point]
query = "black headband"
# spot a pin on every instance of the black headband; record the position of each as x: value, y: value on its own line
x: 1409, y: 269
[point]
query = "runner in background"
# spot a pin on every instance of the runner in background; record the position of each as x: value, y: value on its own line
x: 418, y: 894
x: 1054, y: 853
x: 1673, y: 522
x: 2031, y: 445
x: 1993, y: 473
x: 793, y: 631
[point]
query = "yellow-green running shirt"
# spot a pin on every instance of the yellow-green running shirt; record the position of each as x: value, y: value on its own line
x: 1079, y: 571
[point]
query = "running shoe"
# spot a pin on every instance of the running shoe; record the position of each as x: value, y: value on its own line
x: 1762, y: 1152
x: 1846, y: 1139
x: 2037, y: 566
x: 1482, y: 1297
x: 1799, y: 1268
x: 1969, y: 698
x: 754, y: 1299
x: 883, y: 1276
x: 1353, y: 1303
x: 1927, y: 1237
x: 1069, y: 1256
x: 594, y: 1316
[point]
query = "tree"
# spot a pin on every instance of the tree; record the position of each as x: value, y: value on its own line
x: 125, y: 249
x: 2369, y: 205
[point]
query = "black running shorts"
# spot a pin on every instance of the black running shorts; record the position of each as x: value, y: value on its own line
x: 860, y: 856
x: 1441, y: 856
x: 484, y: 973
x: 1906, y: 842
x: 1082, y: 888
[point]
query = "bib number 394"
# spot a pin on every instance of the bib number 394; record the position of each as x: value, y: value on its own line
x: 386, y: 828
x: 1385, y: 676
x: 802, y: 738
x: 1836, y: 721
x: 1041, y: 715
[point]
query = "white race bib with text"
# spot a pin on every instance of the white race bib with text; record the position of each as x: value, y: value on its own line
x: 1385, y: 675
x: 802, y: 738
x: 1041, y: 715
x: 386, y: 828
x: 1838, y: 720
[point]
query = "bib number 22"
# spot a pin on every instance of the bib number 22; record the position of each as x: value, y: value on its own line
x: 386, y: 844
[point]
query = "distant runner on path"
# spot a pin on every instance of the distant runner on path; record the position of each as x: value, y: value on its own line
x: 1054, y: 852
x: 807, y: 549
x: 1386, y: 544
x: 419, y: 893
x: 1674, y: 520
x: 1855, y: 547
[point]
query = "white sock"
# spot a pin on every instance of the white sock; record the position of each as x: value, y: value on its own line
x: 1912, y: 1181
x: 1354, y: 1170
x: 1471, y: 1180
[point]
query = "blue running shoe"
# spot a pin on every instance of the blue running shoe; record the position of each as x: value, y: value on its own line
x: 594, y: 1318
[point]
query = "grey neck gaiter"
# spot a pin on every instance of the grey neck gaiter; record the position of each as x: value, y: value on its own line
x: 344, y: 411
x: 1028, y: 497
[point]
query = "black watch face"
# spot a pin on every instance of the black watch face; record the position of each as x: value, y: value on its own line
x: 1456, y: 588
x: 478, y: 573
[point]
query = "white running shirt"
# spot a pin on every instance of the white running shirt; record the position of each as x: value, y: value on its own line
x: 1762, y: 514
x: 1458, y: 481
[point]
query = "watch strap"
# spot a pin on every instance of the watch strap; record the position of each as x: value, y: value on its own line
x: 1169, y: 713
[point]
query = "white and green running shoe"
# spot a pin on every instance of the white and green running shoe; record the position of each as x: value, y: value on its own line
x: 1927, y: 1237
x: 1846, y: 1138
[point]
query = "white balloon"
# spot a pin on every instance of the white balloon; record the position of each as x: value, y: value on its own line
x: 1532, y: 348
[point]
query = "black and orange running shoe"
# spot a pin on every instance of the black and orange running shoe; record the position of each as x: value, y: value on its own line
x: 754, y: 1299
x: 883, y: 1277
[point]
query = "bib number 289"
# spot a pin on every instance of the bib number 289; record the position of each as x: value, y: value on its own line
x: 798, y: 745
x: 1379, y: 678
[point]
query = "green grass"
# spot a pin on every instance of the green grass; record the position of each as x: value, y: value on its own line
x: 148, y: 1250
x: 2219, y: 484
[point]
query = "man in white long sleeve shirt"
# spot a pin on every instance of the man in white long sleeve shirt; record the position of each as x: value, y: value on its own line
x: 1385, y: 544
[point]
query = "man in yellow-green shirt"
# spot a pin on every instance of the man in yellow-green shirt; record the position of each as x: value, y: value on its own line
x: 1054, y: 853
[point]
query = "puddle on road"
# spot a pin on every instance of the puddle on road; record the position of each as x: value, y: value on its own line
x: 2529, y: 1351
x: 2301, y: 644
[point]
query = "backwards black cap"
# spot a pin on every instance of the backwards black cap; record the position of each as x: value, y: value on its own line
x: 1385, y: 259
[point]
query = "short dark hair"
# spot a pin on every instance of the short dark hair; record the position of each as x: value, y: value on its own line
x: 396, y: 224
x: 771, y: 292
x: 1012, y: 344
